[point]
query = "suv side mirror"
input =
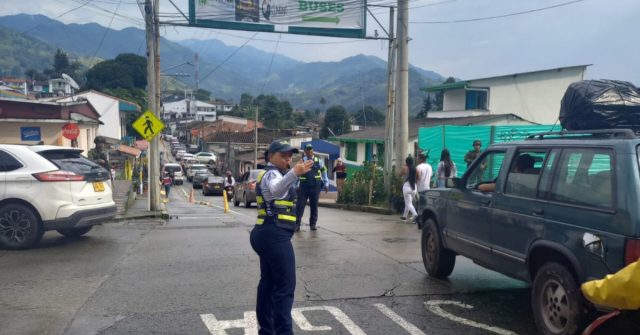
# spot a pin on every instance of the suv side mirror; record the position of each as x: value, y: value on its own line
x: 593, y: 244
x: 453, y: 183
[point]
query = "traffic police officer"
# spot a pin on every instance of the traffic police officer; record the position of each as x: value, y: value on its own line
x: 310, y: 185
x: 271, y: 238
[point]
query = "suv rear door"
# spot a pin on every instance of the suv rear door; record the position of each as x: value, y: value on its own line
x: 517, y: 212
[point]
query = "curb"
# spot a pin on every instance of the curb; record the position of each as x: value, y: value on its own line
x: 358, y: 208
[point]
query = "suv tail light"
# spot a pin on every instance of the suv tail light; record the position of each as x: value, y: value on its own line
x: 631, y: 251
x: 58, y: 175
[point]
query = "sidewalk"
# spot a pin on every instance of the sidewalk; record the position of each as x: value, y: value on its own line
x: 329, y: 200
x: 133, y: 206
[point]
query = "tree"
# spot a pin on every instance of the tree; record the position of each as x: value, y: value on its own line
x: 438, y: 104
x: 370, y: 116
x: 427, y: 105
x: 60, y: 62
x: 126, y: 71
x: 337, y: 121
x: 202, y: 95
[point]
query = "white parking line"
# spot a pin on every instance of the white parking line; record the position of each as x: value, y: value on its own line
x: 406, y: 325
x: 434, y: 307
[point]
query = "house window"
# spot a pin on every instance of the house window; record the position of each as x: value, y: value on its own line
x: 476, y: 99
x: 351, y: 151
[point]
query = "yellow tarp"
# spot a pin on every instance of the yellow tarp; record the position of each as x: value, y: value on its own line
x: 620, y: 290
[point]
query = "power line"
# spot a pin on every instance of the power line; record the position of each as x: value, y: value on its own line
x: 273, y: 55
x: 106, y: 31
x: 229, y: 57
x: 499, y: 16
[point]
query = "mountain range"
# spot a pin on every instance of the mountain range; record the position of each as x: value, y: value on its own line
x: 29, y: 41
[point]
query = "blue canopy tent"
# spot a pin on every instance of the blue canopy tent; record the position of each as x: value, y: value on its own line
x: 324, y: 147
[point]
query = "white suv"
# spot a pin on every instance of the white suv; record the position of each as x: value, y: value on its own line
x: 50, y: 188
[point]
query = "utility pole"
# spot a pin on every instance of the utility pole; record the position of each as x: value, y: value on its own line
x: 402, y: 85
x: 255, y: 148
x: 150, y: 15
x: 389, y: 124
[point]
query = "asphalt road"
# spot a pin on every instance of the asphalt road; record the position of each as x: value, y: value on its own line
x: 196, y: 273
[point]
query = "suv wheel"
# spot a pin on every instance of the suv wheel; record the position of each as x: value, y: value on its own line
x: 74, y: 232
x: 558, y: 305
x: 19, y: 227
x: 438, y: 261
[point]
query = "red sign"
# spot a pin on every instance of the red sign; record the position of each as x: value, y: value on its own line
x: 70, y: 131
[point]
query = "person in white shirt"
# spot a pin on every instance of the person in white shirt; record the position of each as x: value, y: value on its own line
x: 229, y: 181
x: 424, y: 172
x: 446, y: 168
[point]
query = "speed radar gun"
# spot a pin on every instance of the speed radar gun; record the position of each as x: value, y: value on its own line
x: 619, y: 292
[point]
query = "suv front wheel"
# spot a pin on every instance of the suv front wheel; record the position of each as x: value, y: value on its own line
x: 438, y: 261
x: 558, y: 306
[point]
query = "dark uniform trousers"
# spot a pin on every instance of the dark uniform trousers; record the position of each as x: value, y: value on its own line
x: 313, y: 194
x: 277, y: 277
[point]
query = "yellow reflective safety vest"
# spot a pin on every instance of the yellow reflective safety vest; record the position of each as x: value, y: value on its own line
x: 314, y: 176
x: 281, y: 212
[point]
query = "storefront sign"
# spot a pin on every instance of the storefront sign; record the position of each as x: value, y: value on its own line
x: 71, y: 131
x: 30, y: 134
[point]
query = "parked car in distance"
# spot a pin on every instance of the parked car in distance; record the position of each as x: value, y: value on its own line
x: 174, y: 170
x: 555, y: 210
x: 245, y: 188
x: 213, y: 185
x: 193, y: 148
x: 186, y: 163
x: 50, y: 188
x: 195, y: 168
x: 199, y: 178
x: 179, y: 154
x: 206, y: 157
x: 186, y: 156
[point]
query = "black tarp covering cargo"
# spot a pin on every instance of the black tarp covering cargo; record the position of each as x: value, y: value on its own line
x: 600, y: 104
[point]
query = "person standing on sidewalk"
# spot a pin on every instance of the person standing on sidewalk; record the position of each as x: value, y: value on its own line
x: 271, y: 238
x: 341, y: 174
x: 424, y: 172
x: 408, y: 174
x: 310, y: 185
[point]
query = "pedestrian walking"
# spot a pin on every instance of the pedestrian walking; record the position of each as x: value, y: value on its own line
x: 424, y: 172
x: 341, y: 174
x: 446, y: 169
x: 408, y: 187
x: 472, y: 154
x: 167, y: 182
x: 271, y: 238
x: 310, y: 186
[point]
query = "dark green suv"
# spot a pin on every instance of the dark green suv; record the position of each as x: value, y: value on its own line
x: 555, y: 210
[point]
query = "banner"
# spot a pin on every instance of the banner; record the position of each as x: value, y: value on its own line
x: 339, y: 18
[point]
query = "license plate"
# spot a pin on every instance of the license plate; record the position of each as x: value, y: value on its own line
x: 216, y: 186
x: 98, y: 186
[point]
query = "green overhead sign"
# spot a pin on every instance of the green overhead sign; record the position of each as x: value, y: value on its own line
x: 340, y: 18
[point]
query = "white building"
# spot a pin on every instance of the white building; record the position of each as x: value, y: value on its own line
x: 193, y: 109
x: 534, y: 96
x: 109, y: 107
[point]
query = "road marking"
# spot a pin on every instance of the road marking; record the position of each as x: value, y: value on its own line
x: 250, y: 323
x: 434, y: 307
x: 218, y: 327
x: 406, y: 325
x: 304, y: 324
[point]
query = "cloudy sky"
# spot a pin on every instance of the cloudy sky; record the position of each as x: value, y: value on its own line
x: 466, y: 39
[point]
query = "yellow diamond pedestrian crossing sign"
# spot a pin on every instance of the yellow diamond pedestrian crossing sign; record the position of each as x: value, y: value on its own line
x: 148, y: 125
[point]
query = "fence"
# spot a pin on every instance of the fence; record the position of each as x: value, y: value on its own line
x: 459, y: 139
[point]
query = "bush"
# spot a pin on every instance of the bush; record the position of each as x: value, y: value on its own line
x: 356, y: 188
